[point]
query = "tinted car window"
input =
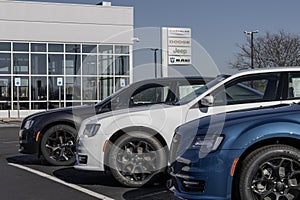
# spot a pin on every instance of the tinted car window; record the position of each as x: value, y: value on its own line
x: 294, y: 85
x: 150, y: 94
x: 254, y: 88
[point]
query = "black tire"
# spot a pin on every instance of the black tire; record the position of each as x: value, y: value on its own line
x: 271, y: 172
x: 58, y: 145
x: 136, y: 159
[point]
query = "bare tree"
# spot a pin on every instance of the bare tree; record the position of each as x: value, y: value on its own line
x: 271, y: 50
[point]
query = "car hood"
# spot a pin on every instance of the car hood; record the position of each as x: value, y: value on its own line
x: 95, y: 119
x: 76, y: 110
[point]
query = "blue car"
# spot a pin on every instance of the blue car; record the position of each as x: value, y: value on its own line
x: 245, y: 155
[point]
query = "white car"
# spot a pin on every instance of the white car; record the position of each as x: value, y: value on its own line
x: 133, y: 143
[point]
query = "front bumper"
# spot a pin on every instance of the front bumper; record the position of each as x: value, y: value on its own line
x: 205, y: 178
x: 89, y: 153
x: 27, y: 141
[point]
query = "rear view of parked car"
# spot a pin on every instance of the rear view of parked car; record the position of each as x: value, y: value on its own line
x: 247, y: 155
x: 133, y: 144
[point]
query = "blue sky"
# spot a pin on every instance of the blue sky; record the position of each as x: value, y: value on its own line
x: 217, y: 25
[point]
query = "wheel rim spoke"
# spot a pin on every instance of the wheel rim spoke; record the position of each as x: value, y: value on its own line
x: 277, y: 179
x: 136, y: 160
x: 60, y: 145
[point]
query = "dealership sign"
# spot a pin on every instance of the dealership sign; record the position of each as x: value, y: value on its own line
x: 180, y: 60
x: 177, y: 48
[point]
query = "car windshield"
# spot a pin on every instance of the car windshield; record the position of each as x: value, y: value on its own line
x: 191, y: 96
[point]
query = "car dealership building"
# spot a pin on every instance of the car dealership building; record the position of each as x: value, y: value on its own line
x: 57, y: 55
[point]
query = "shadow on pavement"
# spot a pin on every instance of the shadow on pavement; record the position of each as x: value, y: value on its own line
x: 74, y: 176
x: 156, y: 193
x: 27, y: 160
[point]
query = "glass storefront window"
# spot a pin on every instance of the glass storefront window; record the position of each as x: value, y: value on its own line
x: 73, y: 85
x: 38, y: 64
x: 5, y: 46
x: 105, y: 87
x: 121, y: 49
x: 21, y: 63
x: 89, y: 48
x: 54, y: 89
x: 89, y: 88
x: 89, y: 65
x: 55, y: 48
x: 121, y: 82
x: 55, y: 64
x: 5, y: 85
x: 90, y: 72
x: 23, y: 89
x: 23, y: 106
x: 5, y: 63
x: 73, y: 48
x: 38, y: 47
x: 122, y: 65
x: 21, y: 46
x: 39, y: 105
x: 106, y: 49
x: 105, y: 65
x: 73, y: 64
x: 38, y: 88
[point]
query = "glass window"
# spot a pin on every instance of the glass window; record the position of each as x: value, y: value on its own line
x: 294, y: 85
x: 5, y: 46
x: 38, y: 64
x: 38, y: 47
x: 73, y: 85
x: 149, y: 94
x: 38, y: 88
x: 89, y: 89
x: 121, y: 82
x: 106, y: 49
x: 20, y: 46
x: 55, y: 47
x: 89, y: 65
x: 248, y: 89
x: 105, y: 87
x: 21, y: 63
x: 121, y: 49
x: 122, y: 65
x: 54, y: 89
x: 39, y: 105
x: 55, y: 64
x: 73, y: 64
x: 184, y: 90
x: 73, y: 48
x: 23, y: 106
x: 23, y: 89
x: 89, y: 48
x: 5, y: 63
x: 5, y: 85
x: 105, y: 64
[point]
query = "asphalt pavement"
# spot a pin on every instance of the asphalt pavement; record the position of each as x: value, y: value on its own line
x: 29, y: 177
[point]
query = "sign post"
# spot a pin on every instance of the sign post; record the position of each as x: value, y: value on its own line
x: 59, y: 84
x: 18, y: 84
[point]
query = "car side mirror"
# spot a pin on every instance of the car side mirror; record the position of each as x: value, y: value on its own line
x: 207, y: 101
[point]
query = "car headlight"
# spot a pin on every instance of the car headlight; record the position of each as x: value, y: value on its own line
x: 207, y: 143
x: 91, y: 130
x: 28, y: 124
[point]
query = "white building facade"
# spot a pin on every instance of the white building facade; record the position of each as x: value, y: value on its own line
x: 63, y: 54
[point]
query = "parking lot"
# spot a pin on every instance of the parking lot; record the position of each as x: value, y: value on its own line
x: 29, y: 177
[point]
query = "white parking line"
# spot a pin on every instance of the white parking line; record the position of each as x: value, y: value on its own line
x: 76, y: 187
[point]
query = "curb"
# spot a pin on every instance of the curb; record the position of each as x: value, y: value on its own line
x: 8, y: 120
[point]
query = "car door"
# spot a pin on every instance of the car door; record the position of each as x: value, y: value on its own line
x: 244, y: 92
